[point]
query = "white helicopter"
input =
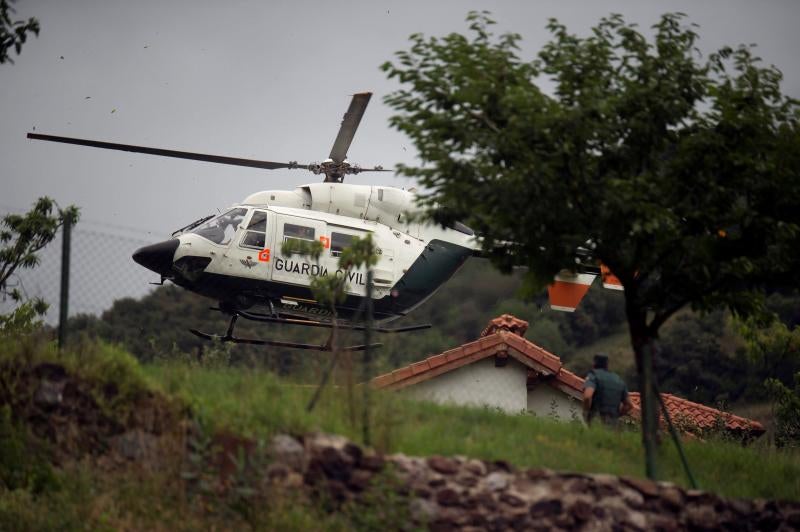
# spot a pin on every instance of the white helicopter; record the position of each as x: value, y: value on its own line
x: 235, y: 257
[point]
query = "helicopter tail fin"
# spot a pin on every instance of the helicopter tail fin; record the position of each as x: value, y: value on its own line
x: 567, y: 290
x: 610, y: 280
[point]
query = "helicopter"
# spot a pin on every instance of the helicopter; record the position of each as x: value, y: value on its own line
x: 236, y: 258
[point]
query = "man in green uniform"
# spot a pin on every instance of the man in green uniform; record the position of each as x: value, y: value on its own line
x: 605, y: 394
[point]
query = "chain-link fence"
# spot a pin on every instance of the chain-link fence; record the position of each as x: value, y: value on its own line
x: 101, y: 269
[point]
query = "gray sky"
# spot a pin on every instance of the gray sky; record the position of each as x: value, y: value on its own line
x: 259, y: 79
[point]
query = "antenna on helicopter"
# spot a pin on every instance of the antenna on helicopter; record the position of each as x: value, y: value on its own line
x: 335, y: 167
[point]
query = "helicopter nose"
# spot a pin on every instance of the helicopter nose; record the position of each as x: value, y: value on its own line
x: 157, y: 257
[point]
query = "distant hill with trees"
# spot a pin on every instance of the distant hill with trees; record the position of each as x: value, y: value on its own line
x: 703, y: 358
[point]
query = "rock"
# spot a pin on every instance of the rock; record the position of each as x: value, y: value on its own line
x: 632, y: 498
x: 445, y: 466
x: 359, y: 480
x: 372, y: 462
x: 287, y: 450
x: 135, y: 444
x: 644, y: 486
x: 49, y: 393
x: 448, y: 497
x: 422, y: 510
x: 496, y: 481
x: 437, y: 482
x: 672, y: 497
x: 546, y: 508
x: 277, y: 473
x: 512, y: 500
x: 581, y: 510
x: 476, y: 467
x: 701, y: 517
x: 636, y: 520
x: 467, y: 481
x: 336, y: 464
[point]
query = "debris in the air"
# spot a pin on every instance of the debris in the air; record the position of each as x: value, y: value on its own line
x: 87, y: 97
x: 113, y: 111
x: 62, y: 57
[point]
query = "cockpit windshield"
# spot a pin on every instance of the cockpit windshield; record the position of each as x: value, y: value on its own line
x: 221, y: 229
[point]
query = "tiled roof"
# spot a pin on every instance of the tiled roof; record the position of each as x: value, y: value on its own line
x: 689, y: 416
x: 503, y: 338
x: 506, y: 322
x: 502, y: 344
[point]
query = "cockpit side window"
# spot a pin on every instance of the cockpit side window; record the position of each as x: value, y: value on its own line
x: 221, y: 229
x: 255, y: 236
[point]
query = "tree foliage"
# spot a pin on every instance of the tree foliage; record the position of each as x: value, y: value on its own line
x: 13, y: 33
x: 21, y: 237
x: 678, y: 172
x: 775, y: 346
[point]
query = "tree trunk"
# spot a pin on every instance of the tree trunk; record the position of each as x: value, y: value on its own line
x: 642, y: 343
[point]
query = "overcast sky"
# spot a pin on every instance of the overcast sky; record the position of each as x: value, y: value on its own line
x: 261, y: 79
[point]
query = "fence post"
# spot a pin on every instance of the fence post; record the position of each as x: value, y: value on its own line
x: 64, y: 301
x: 367, y: 359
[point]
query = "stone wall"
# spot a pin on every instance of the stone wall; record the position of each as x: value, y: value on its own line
x: 467, y: 494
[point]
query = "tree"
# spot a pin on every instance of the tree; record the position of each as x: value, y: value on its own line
x: 13, y: 33
x: 677, y: 172
x: 21, y: 237
x: 775, y: 345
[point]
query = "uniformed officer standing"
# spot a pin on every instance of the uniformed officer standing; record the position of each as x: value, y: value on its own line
x: 605, y: 394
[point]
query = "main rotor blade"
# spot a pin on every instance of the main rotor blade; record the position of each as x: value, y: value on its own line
x: 349, y: 125
x: 236, y: 161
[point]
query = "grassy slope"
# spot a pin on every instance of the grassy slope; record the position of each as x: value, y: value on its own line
x: 258, y: 404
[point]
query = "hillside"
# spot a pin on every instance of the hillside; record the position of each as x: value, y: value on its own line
x: 93, y: 439
x: 702, y: 357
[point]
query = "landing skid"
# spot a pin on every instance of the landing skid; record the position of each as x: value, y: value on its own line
x: 327, y: 346
x: 253, y: 316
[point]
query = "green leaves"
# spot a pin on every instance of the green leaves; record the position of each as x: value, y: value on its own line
x: 682, y: 171
x: 331, y: 290
x: 22, y: 236
x: 13, y: 33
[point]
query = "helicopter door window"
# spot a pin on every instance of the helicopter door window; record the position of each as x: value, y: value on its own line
x: 221, y: 229
x: 339, y: 241
x: 255, y: 236
x: 298, y: 232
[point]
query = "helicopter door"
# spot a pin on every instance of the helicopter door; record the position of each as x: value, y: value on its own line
x: 296, y: 268
x: 339, y: 238
x: 249, y: 254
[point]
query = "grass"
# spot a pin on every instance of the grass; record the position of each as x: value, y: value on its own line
x: 259, y: 405
x: 35, y: 495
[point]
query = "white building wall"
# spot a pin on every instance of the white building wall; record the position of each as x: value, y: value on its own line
x: 546, y: 401
x: 479, y: 384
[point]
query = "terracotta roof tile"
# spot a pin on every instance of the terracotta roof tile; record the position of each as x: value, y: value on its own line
x: 382, y: 381
x: 570, y: 379
x: 436, y: 361
x: 548, y: 360
x: 420, y: 367
x: 506, y: 322
x: 690, y: 416
x: 454, y: 354
x: 402, y: 373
